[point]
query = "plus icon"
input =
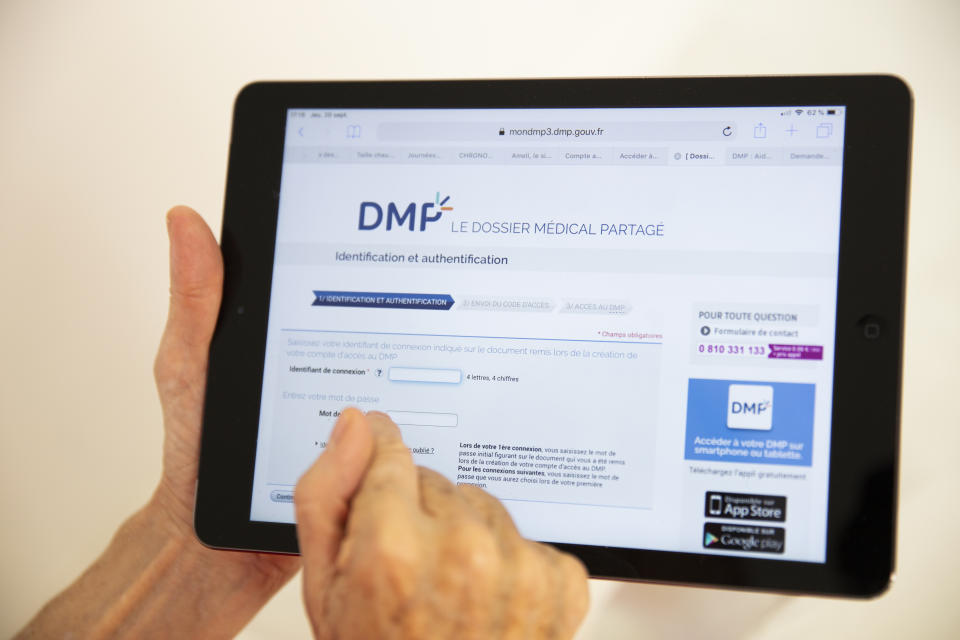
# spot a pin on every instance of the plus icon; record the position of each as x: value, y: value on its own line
x: 792, y: 130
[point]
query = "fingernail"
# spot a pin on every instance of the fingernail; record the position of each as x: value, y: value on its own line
x: 343, y: 423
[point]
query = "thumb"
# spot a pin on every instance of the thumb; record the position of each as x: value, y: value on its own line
x: 196, y: 280
x: 196, y: 284
x: 323, y: 494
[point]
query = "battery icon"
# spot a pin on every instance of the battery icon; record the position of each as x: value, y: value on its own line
x: 831, y: 112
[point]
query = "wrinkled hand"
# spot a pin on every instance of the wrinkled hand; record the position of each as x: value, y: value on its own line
x: 180, y: 369
x: 391, y: 550
x: 155, y: 579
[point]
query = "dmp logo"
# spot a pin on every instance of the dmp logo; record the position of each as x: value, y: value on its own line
x: 371, y: 214
x: 750, y: 406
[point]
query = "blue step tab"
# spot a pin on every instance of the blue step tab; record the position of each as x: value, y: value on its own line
x: 380, y: 300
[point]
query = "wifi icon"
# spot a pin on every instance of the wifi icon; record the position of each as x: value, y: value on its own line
x: 798, y: 111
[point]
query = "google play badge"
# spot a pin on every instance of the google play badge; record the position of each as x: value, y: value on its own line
x: 709, y: 539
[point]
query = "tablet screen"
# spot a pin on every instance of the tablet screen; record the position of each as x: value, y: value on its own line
x: 620, y: 322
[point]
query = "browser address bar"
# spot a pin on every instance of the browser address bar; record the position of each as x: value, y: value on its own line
x: 526, y: 131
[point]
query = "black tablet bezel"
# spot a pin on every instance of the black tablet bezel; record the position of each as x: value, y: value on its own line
x: 869, y: 328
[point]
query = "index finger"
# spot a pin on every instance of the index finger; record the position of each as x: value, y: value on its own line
x: 391, y: 480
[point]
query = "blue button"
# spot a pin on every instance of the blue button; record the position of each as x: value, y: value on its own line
x: 378, y: 300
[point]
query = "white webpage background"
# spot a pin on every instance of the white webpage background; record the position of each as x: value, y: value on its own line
x: 732, y: 234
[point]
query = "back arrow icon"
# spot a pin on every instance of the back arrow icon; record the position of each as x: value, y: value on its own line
x: 300, y: 131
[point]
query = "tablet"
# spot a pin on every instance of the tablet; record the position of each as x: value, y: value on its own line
x: 660, y: 319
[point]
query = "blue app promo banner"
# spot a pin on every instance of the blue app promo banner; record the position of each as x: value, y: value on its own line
x: 749, y: 422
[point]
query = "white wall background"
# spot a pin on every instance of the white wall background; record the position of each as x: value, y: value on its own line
x: 111, y: 111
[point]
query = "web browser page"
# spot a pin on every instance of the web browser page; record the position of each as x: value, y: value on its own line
x: 620, y: 322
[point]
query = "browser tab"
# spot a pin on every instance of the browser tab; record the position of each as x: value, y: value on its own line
x: 312, y: 154
x: 754, y: 156
x: 691, y: 156
x: 585, y: 156
x: 813, y: 155
x: 531, y: 156
x: 373, y: 155
x: 472, y: 155
x: 644, y: 156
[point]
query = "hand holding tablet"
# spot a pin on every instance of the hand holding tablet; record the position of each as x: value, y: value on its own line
x: 659, y: 319
x: 389, y: 549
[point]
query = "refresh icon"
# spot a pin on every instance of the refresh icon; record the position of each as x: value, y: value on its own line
x: 727, y: 131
